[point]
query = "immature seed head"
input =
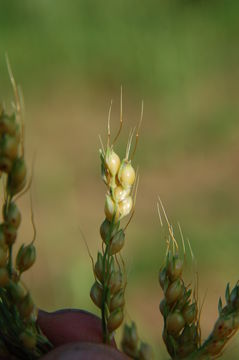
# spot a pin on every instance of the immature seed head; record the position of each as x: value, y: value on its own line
x: 26, y: 257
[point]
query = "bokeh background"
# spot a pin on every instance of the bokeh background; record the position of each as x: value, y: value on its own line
x: 182, y: 58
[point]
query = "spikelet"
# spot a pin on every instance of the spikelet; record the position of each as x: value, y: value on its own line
x: 108, y: 293
x: 133, y: 346
x: 17, y: 309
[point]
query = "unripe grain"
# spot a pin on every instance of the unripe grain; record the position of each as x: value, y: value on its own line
x: 117, y: 301
x: 125, y: 206
x: 96, y: 294
x: 175, y: 269
x: 126, y: 175
x: 111, y: 209
x: 117, y: 242
x: 12, y: 215
x: 174, y: 291
x: 26, y: 257
x: 175, y: 323
x: 115, y: 320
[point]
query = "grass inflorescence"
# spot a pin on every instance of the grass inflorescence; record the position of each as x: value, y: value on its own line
x: 19, y: 333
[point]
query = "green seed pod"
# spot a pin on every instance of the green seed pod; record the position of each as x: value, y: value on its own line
x: 174, y: 291
x: 175, y: 323
x: 145, y: 352
x: 175, y: 268
x: 4, y: 277
x: 117, y: 301
x: 28, y: 339
x: 8, y: 147
x: 115, y: 320
x: 116, y: 281
x: 17, y: 291
x: 190, y: 313
x: 96, y: 294
x: 10, y: 233
x: 26, y: 306
x: 117, y: 242
x: 3, y: 257
x: 26, y: 257
x: 12, y: 215
x: 17, y: 177
x: 5, y: 164
x: 99, y: 267
x: 8, y: 124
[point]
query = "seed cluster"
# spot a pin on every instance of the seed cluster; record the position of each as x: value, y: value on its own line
x: 119, y: 178
x: 18, y: 313
x: 225, y: 327
x: 133, y: 346
x: 109, y: 288
x: 181, y: 332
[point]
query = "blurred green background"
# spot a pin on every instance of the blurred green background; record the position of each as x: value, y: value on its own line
x: 182, y: 58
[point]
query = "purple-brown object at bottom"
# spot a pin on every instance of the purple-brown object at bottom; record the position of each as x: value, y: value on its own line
x: 85, y: 351
x: 70, y: 325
